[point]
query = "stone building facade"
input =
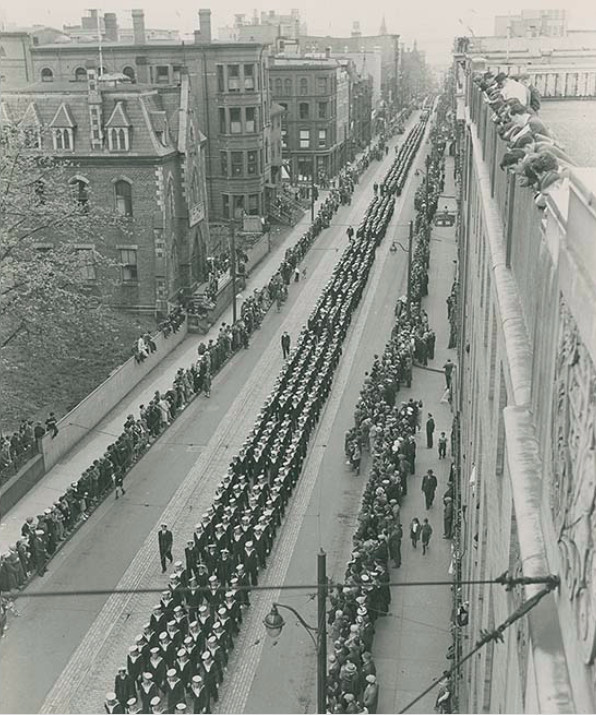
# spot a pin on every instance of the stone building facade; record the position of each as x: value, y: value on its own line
x: 526, y: 401
x: 229, y: 92
x: 138, y: 150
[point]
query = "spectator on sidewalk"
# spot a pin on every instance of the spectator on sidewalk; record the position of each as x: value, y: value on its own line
x: 447, y: 517
x: 442, y: 446
x: 429, y: 487
x: 415, y: 529
x: 448, y: 367
x: 430, y: 430
x: 51, y: 425
x: 427, y: 531
x: 166, y: 541
x: 370, y: 697
x: 394, y: 543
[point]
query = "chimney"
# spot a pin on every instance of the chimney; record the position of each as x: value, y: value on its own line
x: 138, y: 27
x: 203, y: 35
x: 110, y: 26
x: 328, y: 52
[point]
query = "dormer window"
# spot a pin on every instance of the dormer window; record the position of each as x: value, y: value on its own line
x: 63, y: 139
x: 118, y: 139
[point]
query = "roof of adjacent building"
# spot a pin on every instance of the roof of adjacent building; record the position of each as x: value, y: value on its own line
x: 152, y: 114
x: 573, y: 122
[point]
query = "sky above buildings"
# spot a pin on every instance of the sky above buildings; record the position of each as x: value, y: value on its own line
x: 433, y: 23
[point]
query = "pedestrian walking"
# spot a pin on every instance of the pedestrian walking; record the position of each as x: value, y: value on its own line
x: 415, y: 528
x: 375, y: 188
x: 442, y: 446
x: 429, y: 487
x: 430, y: 430
x: 285, y: 344
x: 427, y: 532
x: 350, y: 232
x: 296, y: 275
x: 166, y: 541
x: 448, y: 367
x: 118, y: 478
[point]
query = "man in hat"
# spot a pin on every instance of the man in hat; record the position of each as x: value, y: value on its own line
x: 426, y: 534
x: 166, y: 540
x: 429, y: 487
x: 112, y: 705
x: 430, y: 430
x: 124, y: 686
x: 199, y: 695
x: 156, y: 705
x: 447, y: 517
x: 251, y: 565
x: 448, y: 367
x: 210, y: 676
x: 147, y: 691
x: 134, y: 663
x: 370, y: 696
x: 285, y: 344
x: 173, y: 690
x: 156, y: 667
x: 225, y: 567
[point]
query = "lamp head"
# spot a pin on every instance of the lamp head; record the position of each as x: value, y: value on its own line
x: 274, y: 622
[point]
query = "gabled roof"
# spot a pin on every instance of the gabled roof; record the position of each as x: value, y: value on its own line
x: 31, y: 118
x: 63, y: 118
x: 118, y: 117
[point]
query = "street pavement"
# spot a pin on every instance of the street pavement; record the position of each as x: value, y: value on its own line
x: 268, y: 676
x: 62, y: 653
x: 411, y: 642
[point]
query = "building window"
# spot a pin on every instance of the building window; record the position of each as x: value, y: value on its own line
x: 225, y: 205
x: 249, y: 78
x: 252, y: 163
x: 322, y: 85
x: 224, y: 163
x: 238, y: 206
x: 220, y: 78
x: 118, y: 139
x: 47, y: 75
x: 123, y: 192
x: 233, y: 78
x: 303, y: 110
x: 80, y: 189
x: 162, y: 74
x: 303, y: 86
x: 237, y: 163
x: 251, y: 125
x: 80, y: 74
x: 235, y: 120
x: 323, y: 110
x: 130, y: 73
x: 101, y: 71
x: 222, y: 120
x: 62, y: 139
x: 177, y: 73
x: 253, y: 205
x: 305, y: 139
x: 322, y: 138
x: 284, y: 138
x: 128, y: 261
x: 278, y: 87
x: 86, y: 261
x: 288, y: 87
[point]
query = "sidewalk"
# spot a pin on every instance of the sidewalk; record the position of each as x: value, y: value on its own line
x: 411, y: 643
x: 91, y: 447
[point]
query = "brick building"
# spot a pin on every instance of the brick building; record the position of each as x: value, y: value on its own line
x: 137, y: 149
x: 314, y: 93
x: 229, y: 96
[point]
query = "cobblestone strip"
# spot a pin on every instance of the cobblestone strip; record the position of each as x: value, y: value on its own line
x: 244, y: 662
x: 88, y: 674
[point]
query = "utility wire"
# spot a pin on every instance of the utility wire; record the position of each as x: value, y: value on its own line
x: 487, y: 636
x: 502, y: 580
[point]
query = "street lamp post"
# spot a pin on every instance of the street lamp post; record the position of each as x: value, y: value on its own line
x: 274, y: 624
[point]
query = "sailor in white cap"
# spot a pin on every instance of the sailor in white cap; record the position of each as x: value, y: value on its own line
x: 147, y: 691
x: 200, y: 695
x: 173, y: 690
x: 156, y: 705
x: 112, y: 705
x: 124, y: 686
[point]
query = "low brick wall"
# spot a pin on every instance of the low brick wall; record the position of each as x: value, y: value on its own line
x: 90, y: 411
x: 25, y: 479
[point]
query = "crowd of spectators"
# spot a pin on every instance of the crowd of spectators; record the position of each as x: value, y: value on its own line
x: 533, y: 152
x: 145, y: 345
x: 178, y: 662
x: 384, y: 428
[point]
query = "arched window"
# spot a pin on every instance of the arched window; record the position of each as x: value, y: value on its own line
x: 195, y: 189
x: 63, y: 139
x: 278, y: 86
x: 130, y: 73
x: 80, y: 74
x: 47, y: 75
x: 80, y: 190
x: 303, y: 86
x: 288, y: 87
x: 123, y: 193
